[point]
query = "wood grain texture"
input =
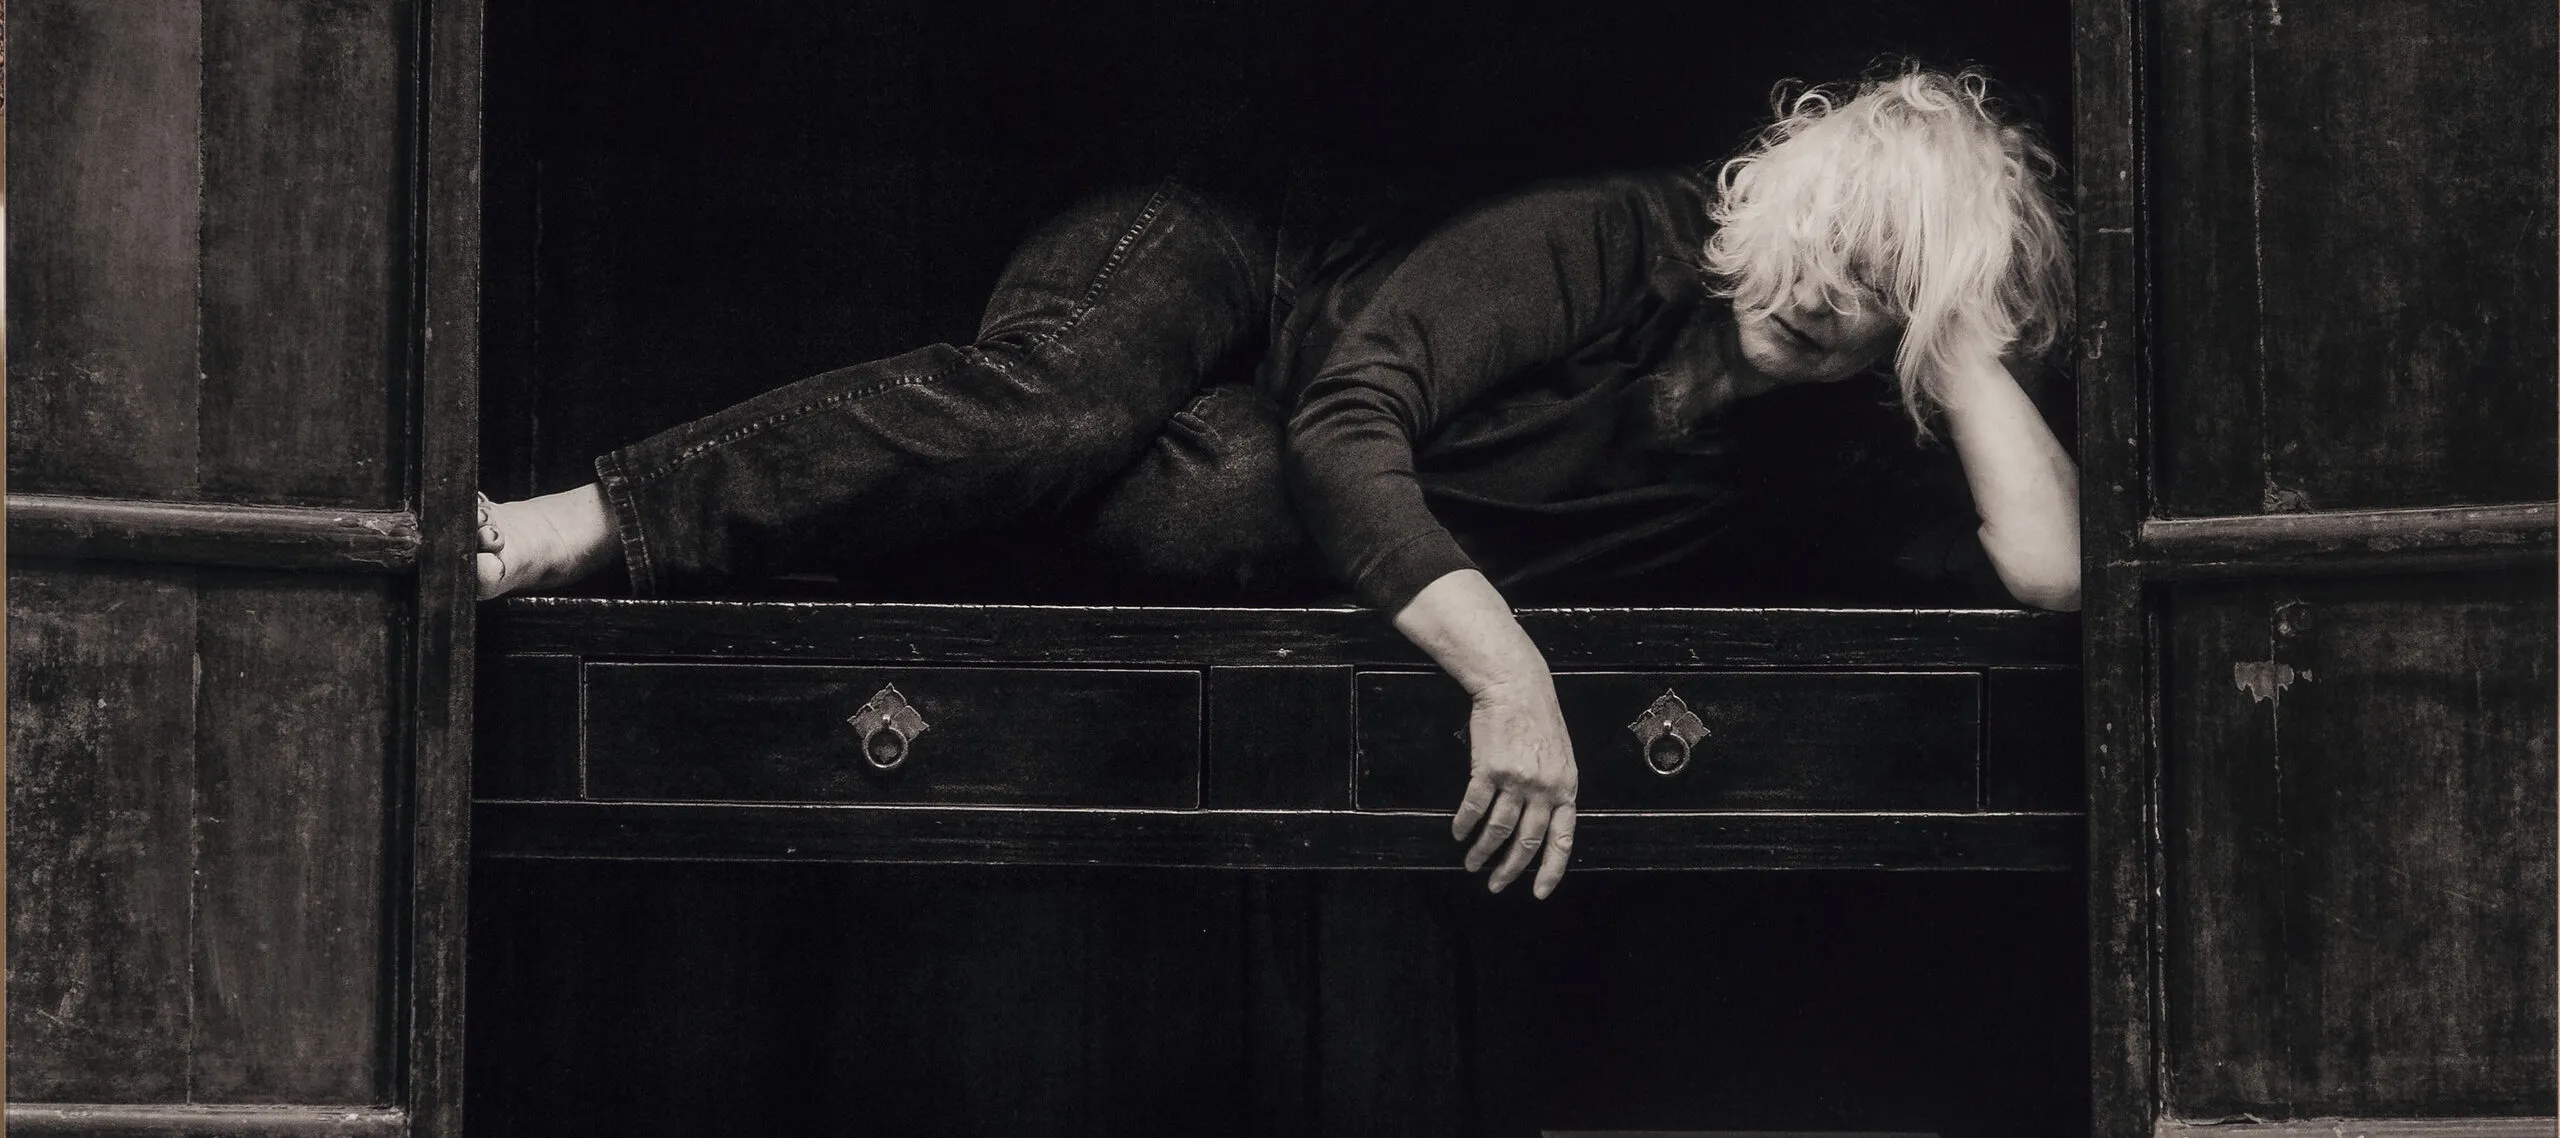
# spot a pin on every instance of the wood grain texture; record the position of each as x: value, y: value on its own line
x: 203, y: 533
x: 2371, y: 887
x: 1240, y: 636
x: 115, y: 1120
x: 2109, y: 57
x: 305, y: 260
x: 2032, y: 725
x: 1278, y: 738
x: 101, y: 780
x: 103, y: 247
x: 436, y: 795
x: 1904, y: 741
x: 1241, y: 839
x: 794, y: 1000
x: 1394, y: 1007
x: 991, y: 736
x: 2360, y: 308
x: 530, y: 715
x: 2351, y: 541
x: 2365, y: 1128
x: 295, y: 733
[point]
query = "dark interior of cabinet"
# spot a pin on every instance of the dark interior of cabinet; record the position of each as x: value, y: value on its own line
x: 689, y: 205
x: 685, y: 206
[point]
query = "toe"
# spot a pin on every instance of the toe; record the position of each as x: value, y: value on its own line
x: 493, y: 575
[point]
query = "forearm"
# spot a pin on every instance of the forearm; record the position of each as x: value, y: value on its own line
x: 2024, y: 487
x: 1465, y: 626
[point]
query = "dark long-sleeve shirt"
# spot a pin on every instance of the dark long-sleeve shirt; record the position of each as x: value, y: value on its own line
x: 1510, y: 393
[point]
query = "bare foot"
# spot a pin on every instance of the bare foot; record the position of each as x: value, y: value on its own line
x: 543, y: 543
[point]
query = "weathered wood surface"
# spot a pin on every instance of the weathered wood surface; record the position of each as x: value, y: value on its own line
x: 2363, y: 1128
x: 1278, y: 738
x: 2362, y: 879
x: 206, y: 533
x: 1906, y: 741
x: 304, y: 337
x: 2356, y: 294
x: 2032, y: 726
x: 434, y: 798
x: 134, y: 1120
x: 294, y: 741
x: 989, y: 736
x: 2351, y: 541
x: 788, y: 1000
x: 101, y: 779
x: 1026, y: 634
x: 2108, y: 218
x: 1254, y: 839
x: 103, y: 176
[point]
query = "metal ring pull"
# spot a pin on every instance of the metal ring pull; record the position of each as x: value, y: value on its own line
x: 888, y: 726
x: 1667, y: 731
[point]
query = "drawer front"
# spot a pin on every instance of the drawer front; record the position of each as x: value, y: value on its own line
x: 990, y: 736
x: 1759, y: 740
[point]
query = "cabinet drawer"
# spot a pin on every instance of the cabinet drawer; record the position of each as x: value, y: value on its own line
x: 993, y: 736
x: 1770, y: 741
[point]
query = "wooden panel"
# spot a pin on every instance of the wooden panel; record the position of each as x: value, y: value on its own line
x: 2225, y: 1010
x: 1057, y: 737
x: 102, y: 247
x: 101, y: 770
x: 2357, y: 300
x: 1778, y: 741
x: 1620, y: 638
x: 305, y: 219
x: 2031, y: 727
x: 531, y: 728
x: 296, y: 734
x: 2369, y: 888
x: 789, y: 1000
x: 1255, y: 839
x: 1393, y: 1005
x: 1279, y: 738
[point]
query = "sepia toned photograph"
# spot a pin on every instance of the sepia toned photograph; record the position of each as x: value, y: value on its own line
x: 1539, y: 568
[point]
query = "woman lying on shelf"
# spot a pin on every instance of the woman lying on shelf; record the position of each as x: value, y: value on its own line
x: 1624, y: 383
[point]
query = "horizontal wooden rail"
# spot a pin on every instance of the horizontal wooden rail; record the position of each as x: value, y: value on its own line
x: 1253, y: 839
x: 1137, y: 635
x: 2350, y: 541
x: 200, y: 533
x: 35, y: 1119
x: 2364, y: 1128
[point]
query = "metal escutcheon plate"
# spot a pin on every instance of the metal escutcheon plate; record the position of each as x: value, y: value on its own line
x: 888, y: 727
x: 1667, y: 731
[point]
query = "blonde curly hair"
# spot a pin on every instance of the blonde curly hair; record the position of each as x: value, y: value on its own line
x: 1908, y: 189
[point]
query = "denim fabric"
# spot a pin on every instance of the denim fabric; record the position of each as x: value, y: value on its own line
x: 1079, y: 409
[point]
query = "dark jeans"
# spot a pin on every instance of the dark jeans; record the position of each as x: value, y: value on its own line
x: 1102, y: 427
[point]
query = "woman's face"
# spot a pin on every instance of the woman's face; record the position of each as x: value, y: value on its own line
x: 1806, y: 340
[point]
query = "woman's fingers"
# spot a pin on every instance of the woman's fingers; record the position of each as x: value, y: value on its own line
x: 1472, y: 808
x: 1525, y: 844
x: 1498, y: 828
x: 1559, y: 851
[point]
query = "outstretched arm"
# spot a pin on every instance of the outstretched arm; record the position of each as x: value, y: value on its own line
x: 1521, y: 780
x: 2024, y: 485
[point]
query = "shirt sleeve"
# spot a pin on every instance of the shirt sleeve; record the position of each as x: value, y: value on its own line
x: 1497, y: 292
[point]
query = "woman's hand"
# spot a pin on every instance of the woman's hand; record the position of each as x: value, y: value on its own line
x: 1522, y: 782
x: 1521, y: 786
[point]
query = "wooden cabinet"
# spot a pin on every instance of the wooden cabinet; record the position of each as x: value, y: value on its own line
x: 287, y: 279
